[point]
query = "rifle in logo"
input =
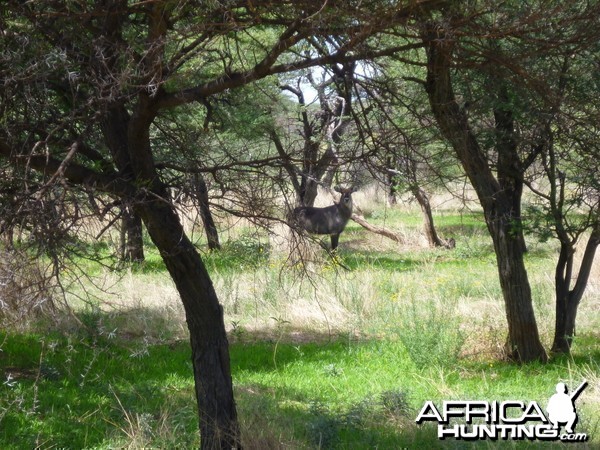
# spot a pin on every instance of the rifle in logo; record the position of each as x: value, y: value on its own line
x: 561, y: 406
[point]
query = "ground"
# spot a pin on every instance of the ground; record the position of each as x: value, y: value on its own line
x: 335, y: 354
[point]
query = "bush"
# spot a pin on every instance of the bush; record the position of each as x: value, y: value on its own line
x: 243, y: 253
x: 25, y: 289
x: 431, y: 334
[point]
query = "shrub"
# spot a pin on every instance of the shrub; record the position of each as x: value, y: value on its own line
x: 430, y: 332
x: 25, y: 289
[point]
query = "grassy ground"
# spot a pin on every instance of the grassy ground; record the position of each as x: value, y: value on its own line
x: 326, y: 357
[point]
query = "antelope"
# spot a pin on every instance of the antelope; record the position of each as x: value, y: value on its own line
x: 330, y: 220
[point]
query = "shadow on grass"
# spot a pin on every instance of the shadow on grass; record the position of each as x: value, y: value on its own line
x: 93, y: 390
x: 376, y: 420
x: 301, y: 422
x: 75, y: 394
x: 71, y: 392
x: 297, y: 400
x: 359, y: 259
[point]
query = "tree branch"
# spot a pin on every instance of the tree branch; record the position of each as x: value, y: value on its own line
x: 77, y: 174
x: 397, y: 237
x: 264, y: 69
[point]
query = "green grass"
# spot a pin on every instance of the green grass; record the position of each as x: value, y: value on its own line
x: 80, y: 392
x: 330, y: 357
x: 95, y: 392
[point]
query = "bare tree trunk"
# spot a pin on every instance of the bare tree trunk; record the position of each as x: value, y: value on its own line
x: 134, y: 238
x: 331, y: 124
x: 567, y: 300
x: 497, y: 197
x: 201, y: 191
x: 217, y: 413
x: 430, y: 232
x: 376, y: 229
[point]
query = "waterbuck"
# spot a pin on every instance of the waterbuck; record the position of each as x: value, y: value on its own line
x: 329, y: 220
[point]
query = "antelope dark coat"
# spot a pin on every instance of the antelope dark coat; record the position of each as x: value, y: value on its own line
x: 329, y: 220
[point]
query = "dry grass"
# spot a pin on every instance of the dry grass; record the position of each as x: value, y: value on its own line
x: 323, y: 297
x: 26, y: 290
x: 302, y: 287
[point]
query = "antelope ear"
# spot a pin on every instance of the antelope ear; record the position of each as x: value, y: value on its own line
x: 353, y: 189
x: 337, y: 189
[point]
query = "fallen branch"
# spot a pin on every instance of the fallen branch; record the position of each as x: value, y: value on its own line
x: 397, y: 237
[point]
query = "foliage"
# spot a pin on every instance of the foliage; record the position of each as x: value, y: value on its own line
x: 431, y: 333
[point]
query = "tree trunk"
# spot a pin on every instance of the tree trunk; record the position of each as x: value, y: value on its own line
x: 309, y: 189
x: 564, y: 331
x: 497, y: 199
x: 523, y: 342
x: 429, y: 227
x: 567, y: 300
x: 204, y: 316
x: 201, y: 191
x: 509, y: 167
x: 391, y: 182
x: 114, y: 128
x: 376, y: 229
x: 133, y: 243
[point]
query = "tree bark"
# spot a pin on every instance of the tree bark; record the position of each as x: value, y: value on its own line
x: 133, y: 238
x: 566, y: 309
x: 568, y: 300
x: 496, y: 198
x: 523, y: 342
x: 430, y: 232
x: 204, y: 316
x: 210, y: 349
x: 114, y: 128
x: 201, y: 191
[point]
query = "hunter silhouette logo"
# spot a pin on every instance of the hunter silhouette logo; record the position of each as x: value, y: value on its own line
x: 510, y: 419
x: 561, y: 406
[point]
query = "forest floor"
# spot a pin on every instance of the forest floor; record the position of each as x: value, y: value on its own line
x: 335, y: 353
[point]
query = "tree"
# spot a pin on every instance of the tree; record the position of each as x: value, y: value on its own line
x: 321, y: 129
x: 114, y: 67
x: 499, y: 130
x: 405, y: 150
x: 569, y: 230
x: 500, y: 196
x: 568, y: 208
